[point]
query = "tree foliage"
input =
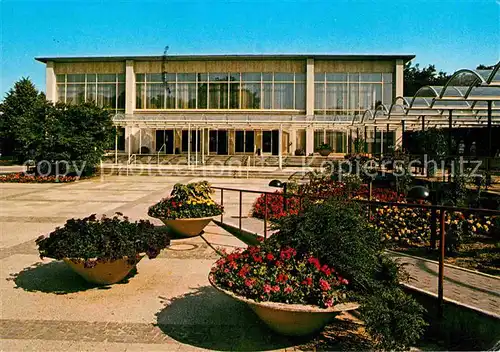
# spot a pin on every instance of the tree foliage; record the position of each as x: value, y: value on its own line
x: 19, y: 104
x: 40, y: 130
x: 416, y: 77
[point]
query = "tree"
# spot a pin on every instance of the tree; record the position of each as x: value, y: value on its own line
x: 75, y: 136
x: 415, y: 78
x: 485, y: 67
x: 20, y: 102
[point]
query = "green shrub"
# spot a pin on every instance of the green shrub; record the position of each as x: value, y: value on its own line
x: 336, y: 233
x: 93, y: 239
x: 393, y: 319
x: 339, y: 234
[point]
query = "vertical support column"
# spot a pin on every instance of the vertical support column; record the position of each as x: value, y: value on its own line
x: 129, y: 87
x: 310, y: 87
x: 189, y: 144
x: 490, y: 153
x: 116, y: 145
x: 280, y: 146
x: 403, y: 126
x: 387, y: 139
x: 366, y: 139
x: 196, y: 138
x: 399, y: 73
x: 293, y: 141
x: 50, y: 82
x: 309, y: 141
x: 382, y: 142
x: 374, y: 144
x: 140, y: 140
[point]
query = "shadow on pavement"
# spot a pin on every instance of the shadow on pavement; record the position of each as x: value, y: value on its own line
x: 208, y: 319
x: 55, y: 277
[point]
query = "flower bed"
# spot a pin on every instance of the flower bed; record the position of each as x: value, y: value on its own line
x: 265, y: 273
x: 21, y: 177
x: 411, y: 226
x: 318, y: 188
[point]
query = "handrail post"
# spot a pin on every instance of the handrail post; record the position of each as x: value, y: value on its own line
x: 433, y: 228
x: 441, y: 263
x: 222, y: 204
x: 265, y: 215
x: 241, y: 204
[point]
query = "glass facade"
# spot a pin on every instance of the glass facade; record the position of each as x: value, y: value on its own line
x: 351, y: 93
x: 221, y: 91
x: 105, y: 90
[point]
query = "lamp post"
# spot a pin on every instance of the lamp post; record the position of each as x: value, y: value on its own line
x: 279, y: 184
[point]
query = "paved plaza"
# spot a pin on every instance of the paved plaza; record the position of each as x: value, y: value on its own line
x: 167, y: 305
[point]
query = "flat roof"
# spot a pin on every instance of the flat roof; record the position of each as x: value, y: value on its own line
x: 404, y: 57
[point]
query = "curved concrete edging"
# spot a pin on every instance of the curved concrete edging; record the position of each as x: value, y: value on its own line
x: 411, y: 287
x: 452, y: 301
x: 445, y: 264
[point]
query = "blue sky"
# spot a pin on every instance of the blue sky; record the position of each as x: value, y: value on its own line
x: 451, y: 34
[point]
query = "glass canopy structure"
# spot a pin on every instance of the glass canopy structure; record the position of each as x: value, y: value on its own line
x: 470, y: 98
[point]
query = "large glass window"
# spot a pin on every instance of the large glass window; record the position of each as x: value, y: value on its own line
x: 351, y: 93
x: 106, y: 90
x: 248, y: 90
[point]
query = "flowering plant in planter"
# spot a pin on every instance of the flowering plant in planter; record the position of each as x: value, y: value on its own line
x: 187, y: 201
x: 92, y: 239
x: 270, y: 273
x: 105, y: 250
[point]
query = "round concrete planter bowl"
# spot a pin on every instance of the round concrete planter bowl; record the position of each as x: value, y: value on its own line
x: 104, y: 272
x: 187, y: 227
x: 291, y: 319
x: 324, y: 152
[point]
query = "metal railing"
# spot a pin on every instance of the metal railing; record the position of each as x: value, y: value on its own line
x: 164, y: 145
x: 434, y: 209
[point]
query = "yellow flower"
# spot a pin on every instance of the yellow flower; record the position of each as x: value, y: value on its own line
x: 473, y: 229
x: 486, y: 228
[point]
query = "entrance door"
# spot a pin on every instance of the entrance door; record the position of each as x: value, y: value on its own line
x: 267, y: 141
x: 222, y: 142
x: 165, y: 141
x: 276, y: 137
x: 218, y: 142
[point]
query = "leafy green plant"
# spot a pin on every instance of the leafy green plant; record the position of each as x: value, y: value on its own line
x: 339, y: 234
x: 324, y: 146
x: 187, y: 201
x: 393, y: 319
x: 92, y: 239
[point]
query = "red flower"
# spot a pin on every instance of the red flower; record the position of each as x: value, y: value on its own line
x: 276, y: 288
x: 329, y: 302
x: 270, y: 256
x: 233, y: 264
x: 324, y: 285
x: 326, y: 270
x: 267, y: 288
x: 244, y: 271
x: 257, y: 258
x: 278, y: 263
x: 308, y: 281
x: 315, y: 262
x: 249, y: 283
x: 288, y: 289
x: 282, y: 278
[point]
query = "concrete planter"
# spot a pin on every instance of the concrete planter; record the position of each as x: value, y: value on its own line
x: 104, y: 272
x: 187, y: 227
x: 324, y: 152
x: 291, y: 319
